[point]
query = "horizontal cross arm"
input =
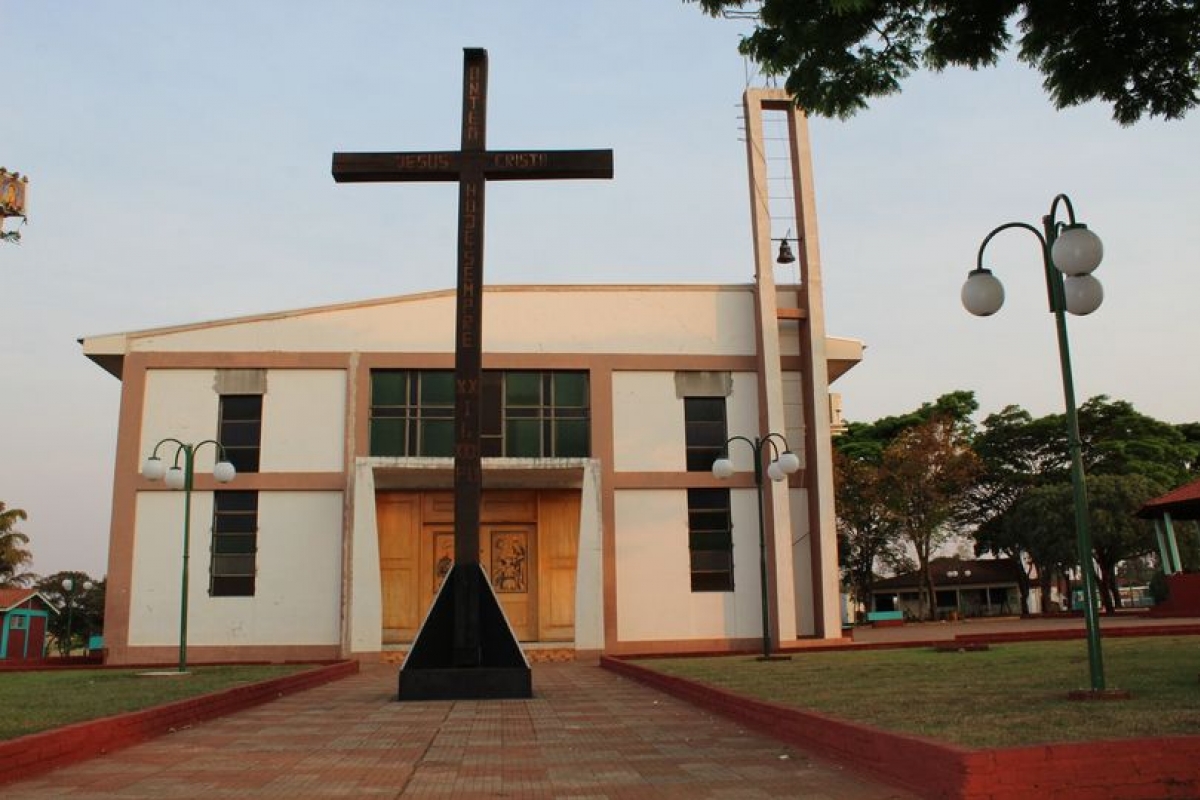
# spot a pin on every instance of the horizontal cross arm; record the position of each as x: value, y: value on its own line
x: 376, y: 167
x: 517, y: 165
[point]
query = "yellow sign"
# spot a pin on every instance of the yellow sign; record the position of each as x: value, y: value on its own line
x: 12, y: 193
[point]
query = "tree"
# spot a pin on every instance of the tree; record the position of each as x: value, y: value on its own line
x: 14, y: 554
x: 86, y: 612
x: 927, y: 472
x: 1140, y: 56
x: 1019, y: 454
x: 869, y: 535
x: 867, y: 532
x: 1023, y: 499
x: 1116, y: 533
x: 1039, y: 530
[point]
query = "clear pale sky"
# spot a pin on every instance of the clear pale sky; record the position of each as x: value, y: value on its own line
x: 179, y: 157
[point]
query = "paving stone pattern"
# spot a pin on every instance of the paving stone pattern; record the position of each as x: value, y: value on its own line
x: 586, y: 735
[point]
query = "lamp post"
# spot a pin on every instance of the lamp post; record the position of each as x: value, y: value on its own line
x: 1070, y: 252
x: 783, y: 463
x: 182, y: 477
x: 68, y: 586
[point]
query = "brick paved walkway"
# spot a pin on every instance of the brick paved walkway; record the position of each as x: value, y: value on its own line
x: 587, y: 735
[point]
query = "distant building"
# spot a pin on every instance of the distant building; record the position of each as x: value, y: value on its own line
x: 968, y: 588
x: 24, y: 623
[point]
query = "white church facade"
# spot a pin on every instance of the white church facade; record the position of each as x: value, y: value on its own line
x: 602, y: 526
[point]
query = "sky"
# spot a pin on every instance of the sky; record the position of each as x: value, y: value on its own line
x: 179, y: 162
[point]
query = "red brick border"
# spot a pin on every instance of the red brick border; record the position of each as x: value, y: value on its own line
x: 1131, y: 769
x: 36, y: 753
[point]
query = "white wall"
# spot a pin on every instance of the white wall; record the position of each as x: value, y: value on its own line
x: 182, y: 404
x: 648, y: 423
x: 304, y: 413
x: 653, y: 319
x: 648, y: 432
x: 654, y: 595
x: 589, y: 569
x: 366, y: 593
x: 304, y: 421
x: 297, y: 591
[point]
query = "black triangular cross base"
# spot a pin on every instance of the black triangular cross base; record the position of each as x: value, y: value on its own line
x: 436, y: 670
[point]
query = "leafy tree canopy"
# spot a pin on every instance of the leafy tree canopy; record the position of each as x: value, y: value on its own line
x: 14, y: 554
x: 1119, y: 440
x: 1140, y: 56
x: 866, y: 441
x: 1038, y: 529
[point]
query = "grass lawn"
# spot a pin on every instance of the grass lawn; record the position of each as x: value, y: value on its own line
x: 38, y: 701
x: 1012, y: 694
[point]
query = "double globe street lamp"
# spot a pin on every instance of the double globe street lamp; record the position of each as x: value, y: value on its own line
x: 1070, y: 253
x: 183, y: 477
x: 783, y: 462
x: 68, y: 585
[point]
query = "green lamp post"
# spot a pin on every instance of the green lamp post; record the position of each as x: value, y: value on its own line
x: 783, y: 463
x: 182, y: 477
x: 1070, y: 253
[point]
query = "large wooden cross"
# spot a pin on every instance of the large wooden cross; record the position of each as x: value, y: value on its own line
x: 471, y: 167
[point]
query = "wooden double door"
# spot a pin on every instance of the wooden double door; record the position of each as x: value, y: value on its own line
x: 528, y: 548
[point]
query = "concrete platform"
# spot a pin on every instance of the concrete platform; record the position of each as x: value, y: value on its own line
x: 586, y: 733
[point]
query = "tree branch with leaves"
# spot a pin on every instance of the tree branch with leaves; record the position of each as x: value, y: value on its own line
x: 1141, y: 57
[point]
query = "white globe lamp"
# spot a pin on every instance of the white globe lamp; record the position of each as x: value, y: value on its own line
x: 153, y: 468
x: 224, y: 472
x: 175, y: 478
x: 1077, y: 251
x: 1083, y: 294
x: 982, y: 294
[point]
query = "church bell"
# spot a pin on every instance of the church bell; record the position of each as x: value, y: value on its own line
x: 785, y: 253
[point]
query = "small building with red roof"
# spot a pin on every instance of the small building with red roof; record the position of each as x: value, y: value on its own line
x: 24, y: 620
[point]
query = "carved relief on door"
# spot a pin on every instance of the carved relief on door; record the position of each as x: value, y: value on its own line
x: 507, y: 559
x: 510, y: 561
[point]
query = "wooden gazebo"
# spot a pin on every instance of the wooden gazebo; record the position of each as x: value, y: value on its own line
x: 1184, y: 589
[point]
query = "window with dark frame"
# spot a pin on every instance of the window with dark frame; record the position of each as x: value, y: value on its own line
x: 412, y: 413
x: 525, y: 414
x: 239, y: 430
x: 545, y: 415
x: 234, y: 546
x: 710, y: 540
x: 705, y: 431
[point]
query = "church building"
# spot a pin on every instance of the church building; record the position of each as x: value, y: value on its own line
x: 603, y: 528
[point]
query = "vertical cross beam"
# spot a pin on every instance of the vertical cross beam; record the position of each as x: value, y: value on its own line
x: 471, y: 166
x: 468, y: 360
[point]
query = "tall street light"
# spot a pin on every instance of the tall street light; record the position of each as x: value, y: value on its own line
x: 181, y: 477
x: 68, y: 586
x: 1070, y: 252
x: 783, y: 463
